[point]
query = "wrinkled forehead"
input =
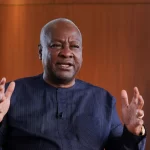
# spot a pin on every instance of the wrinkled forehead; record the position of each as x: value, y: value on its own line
x: 65, y: 32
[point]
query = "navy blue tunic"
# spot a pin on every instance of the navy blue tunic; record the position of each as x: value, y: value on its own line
x: 82, y: 117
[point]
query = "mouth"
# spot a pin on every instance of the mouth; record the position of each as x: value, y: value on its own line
x: 64, y: 65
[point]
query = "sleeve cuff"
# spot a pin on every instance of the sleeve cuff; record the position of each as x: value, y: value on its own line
x: 130, y: 138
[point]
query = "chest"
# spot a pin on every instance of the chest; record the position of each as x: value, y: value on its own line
x: 58, y: 114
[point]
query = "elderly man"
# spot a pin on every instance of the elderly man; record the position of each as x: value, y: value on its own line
x: 56, y: 111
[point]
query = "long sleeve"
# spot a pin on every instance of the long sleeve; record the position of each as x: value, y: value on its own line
x: 121, y: 139
x: 3, y: 132
x: 88, y: 119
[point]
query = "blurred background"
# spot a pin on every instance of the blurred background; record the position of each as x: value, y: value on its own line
x: 116, y: 42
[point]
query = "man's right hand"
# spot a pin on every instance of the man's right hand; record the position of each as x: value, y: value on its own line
x: 5, y: 97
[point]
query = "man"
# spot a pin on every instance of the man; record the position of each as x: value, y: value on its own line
x: 55, y: 111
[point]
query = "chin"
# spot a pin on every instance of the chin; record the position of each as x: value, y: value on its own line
x: 64, y: 78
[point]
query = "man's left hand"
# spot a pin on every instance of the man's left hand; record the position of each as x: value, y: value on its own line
x: 132, y: 113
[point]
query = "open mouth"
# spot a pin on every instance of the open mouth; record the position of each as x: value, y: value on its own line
x: 65, y: 65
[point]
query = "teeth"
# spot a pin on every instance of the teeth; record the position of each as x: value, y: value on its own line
x: 64, y: 66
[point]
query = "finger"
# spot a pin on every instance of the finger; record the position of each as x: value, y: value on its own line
x: 10, y: 90
x: 140, y: 102
x: 139, y: 113
x: 2, y: 83
x: 2, y: 88
x: 3, y: 80
x: 139, y: 122
x: 136, y: 93
x: 124, y: 98
x: 135, y: 97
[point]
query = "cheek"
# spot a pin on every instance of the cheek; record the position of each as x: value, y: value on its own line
x: 54, y: 57
x: 49, y: 56
x: 79, y: 59
x: 46, y: 58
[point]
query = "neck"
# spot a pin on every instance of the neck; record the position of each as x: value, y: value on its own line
x: 51, y: 82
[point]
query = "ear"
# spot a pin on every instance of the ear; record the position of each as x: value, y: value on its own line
x: 40, y: 51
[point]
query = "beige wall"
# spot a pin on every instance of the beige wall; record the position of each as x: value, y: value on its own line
x: 116, y: 41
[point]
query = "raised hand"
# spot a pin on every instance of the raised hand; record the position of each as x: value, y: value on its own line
x: 5, y: 97
x: 132, y: 113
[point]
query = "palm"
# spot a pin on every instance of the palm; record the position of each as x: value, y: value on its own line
x: 5, y: 97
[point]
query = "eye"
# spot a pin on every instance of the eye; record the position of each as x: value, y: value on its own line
x: 57, y: 46
x: 75, y: 46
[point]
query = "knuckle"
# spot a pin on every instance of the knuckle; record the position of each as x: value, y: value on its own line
x: 140, y: 122
x: 141, y: 111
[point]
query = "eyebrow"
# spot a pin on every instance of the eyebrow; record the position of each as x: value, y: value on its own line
x: 59, y: 40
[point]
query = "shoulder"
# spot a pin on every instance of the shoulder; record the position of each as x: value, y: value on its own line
x: 97, y: 91
x: 26, y: 83
x: 26, y: 80
x: 88, y: 86
x: 24, y: 86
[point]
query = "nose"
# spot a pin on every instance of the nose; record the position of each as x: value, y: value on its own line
x: 66, y: 52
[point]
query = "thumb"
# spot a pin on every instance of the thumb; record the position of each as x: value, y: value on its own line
x: 10, y: 90
x: 124, y: 98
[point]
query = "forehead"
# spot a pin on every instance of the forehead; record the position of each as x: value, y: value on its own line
x: 64, y: 31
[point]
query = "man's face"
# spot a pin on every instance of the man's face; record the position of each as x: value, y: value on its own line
x: 62, y: 56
